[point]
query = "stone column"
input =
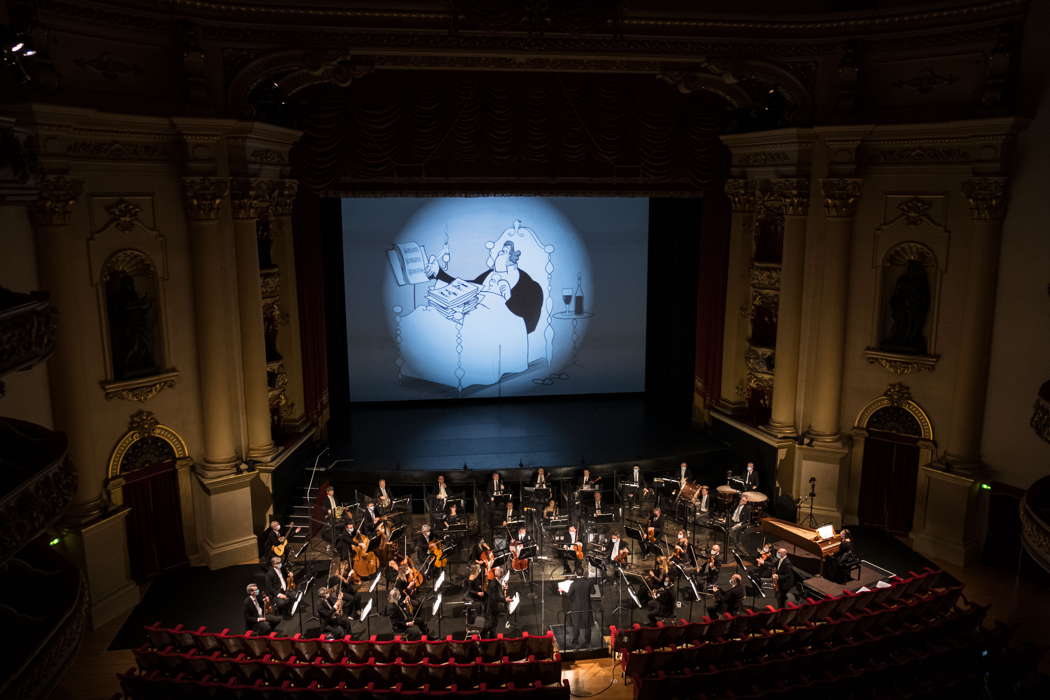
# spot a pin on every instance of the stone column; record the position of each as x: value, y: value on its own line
x: 74, y: 395
x: 987, y: 199
x: 203, y: 200
x: 289, y: 340
x: 841, y: 196
x: 794, y: 196
x: 250, y: 199
x: 741, y: 193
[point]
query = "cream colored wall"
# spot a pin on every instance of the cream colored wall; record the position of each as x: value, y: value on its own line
x: 27, y: 394
x: 1020, y: 358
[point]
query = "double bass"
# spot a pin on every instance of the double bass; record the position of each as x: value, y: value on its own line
x: 516, y: 562
x: 365, y: 563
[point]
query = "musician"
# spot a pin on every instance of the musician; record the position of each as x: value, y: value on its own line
x: 331, y: 610
x: 661, y: 604
x: 764, y: 561
x: 654, y: 532
x: 344, y: 543
x: 597, y: 503
x: 616, y: 557
x: 586, y: 482
x: 495, y: 487
x: 272, y: 538
x: 495, y: 603
x: 509, y: 515
x: 422, y: 544
x: 684, y: 550
x: 371, y: 521
x: 550, y: 510
x: 343, y: 578
x: 839, y: 565
x: 705, y: 499
x: 683, y: 475
x: 255, y: 618
x: 741, y: 517
x: 441, y: 495
x: 541, y: 479
x: 568, y: 553
x: 403, y: 619
x: 523, y: 537
x: 452, y: 518
x: 475, y: 585
x: 750, y: 478
x: 730, y: 600
x: 383, y: 495
x: 712, y: 565
x: 579, y: 620
x: 277, y: 587
x: 784, y: 577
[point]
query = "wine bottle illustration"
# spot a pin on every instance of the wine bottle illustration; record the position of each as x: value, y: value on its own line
x: 578, y: 309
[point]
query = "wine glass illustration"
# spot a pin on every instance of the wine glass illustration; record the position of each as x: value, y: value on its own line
x: 566, y: 296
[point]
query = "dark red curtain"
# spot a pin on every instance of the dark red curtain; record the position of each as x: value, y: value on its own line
x: 711, y: 294
x: 155, y: 541
x: 887, y: 483
x: 309, y: 271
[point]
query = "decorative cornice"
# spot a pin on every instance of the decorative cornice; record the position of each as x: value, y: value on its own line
x: 141, y: 389
x: 58, y: 196
x: 793, y: 194
x: 203, y: 197
x: 27, y: 331
x: 765, y: 276
x: 899, y: 364
x: 251, y: 198
x: 841, y: 196
x: 741, y: 194
x: 987, y: 198
x: 284, y: 192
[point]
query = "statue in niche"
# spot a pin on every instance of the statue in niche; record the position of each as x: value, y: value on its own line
x: 132, y: 327
x: 908, y: 306
x: 271, y: 322
x: 264, y: 239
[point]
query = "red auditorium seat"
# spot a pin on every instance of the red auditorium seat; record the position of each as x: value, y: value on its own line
x: 359, y: 674
x: 515, y: 648
x: 358, y: 651
x: 410, y: 650
x: 275, y: 668
x: 523, y: 673
x: 463, y: 650
x: 437, y: 650
x: 440, y: 675
x: 719, y: 627
x: 490, y: 649
x: 495, y: 673
x: 304, y: 647
x: 233, y: 644
x: 466, y: 674
x: 648, y: 636
x: 256, y: 646
x: 159, y: 636
x: 674, y: 634
x: 415, y: 673
x: 388, y: 673
x: 384, y: 652
x: 333, y: 649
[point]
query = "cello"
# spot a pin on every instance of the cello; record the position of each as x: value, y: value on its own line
x: 516, y: 562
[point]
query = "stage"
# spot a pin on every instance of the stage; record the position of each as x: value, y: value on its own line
x: 552, y: 432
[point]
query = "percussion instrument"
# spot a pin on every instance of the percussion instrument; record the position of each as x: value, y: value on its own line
x: 727, y: 494
x: 689, y: 493
x: 758, y: 502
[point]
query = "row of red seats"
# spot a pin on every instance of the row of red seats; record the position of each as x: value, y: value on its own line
x: 710, y: 650
x: 152, y: 685
x: 917, y: 671
x: 346, y: 672
x: 750, y: 621
x: 309, y: 648
x: 804, y: 657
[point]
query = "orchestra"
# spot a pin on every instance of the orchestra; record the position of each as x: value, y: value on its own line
x: 383, y: 561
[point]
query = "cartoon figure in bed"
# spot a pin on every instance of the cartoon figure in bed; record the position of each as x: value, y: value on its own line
x: 474, y: 330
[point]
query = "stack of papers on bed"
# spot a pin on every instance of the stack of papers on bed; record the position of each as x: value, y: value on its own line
x: 459, y: 296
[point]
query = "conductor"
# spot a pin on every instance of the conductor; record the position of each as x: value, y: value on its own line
x: 579, y: 619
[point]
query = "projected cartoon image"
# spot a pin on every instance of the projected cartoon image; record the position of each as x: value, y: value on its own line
x: 481, y: 312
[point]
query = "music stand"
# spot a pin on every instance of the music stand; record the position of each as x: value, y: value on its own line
x: 757, y: 587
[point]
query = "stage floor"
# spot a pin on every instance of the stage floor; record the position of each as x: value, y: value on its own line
x: 496, y: 435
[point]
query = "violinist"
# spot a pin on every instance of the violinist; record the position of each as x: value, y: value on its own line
x: 541, y: 479
x: 330, y: 610
x: 661, y: 604
x: 277, y: 586
x: 654, y: 532
x: 475, y: 585
x: 422, y: 544
x: 256, y: 619
x: 618, y: 551
x: 712, y: 566
x: 403, y: 615
x: 343, y: 579
x: 683, y: 552
x: 496, y: 600
x: 764, y: 561
x: 572, y: 550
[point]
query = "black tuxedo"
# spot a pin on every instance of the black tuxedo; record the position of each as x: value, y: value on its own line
x: 787, y: 579
x: 526, y: 296
x: 422, y: 546
x: 731, y: 600
x: 494, y: 606
x: 570, y: 555
x: 252, y: 615
x: 271, y: 539
x: 745, y: 515
x: 344, y: 544
x: 495, y: 487
x: 274, y: 584
x: 751, y: 480
x: 368, y: 525
x: 379, y: 494
x: 578, y: 622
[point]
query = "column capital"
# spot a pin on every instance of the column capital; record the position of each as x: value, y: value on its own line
x: 987, y: 198
x: 251, y: 197
x: 841, y: 196
x: 741, y: 193
x: 284, y: 196
x: 203, y: 197
x: 54, y: 205
x: 793, y: 193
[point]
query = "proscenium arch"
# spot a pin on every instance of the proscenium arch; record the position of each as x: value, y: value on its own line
x: 908, y: 405
x: 165, y: 433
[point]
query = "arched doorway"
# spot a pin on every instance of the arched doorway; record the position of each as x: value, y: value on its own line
x: 894, y: 439
x: 144, y: 474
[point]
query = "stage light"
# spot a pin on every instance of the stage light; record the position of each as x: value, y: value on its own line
x: 15, y: 48
x: 29, y: 52
x: 986, y: 487
x: 54, y: 541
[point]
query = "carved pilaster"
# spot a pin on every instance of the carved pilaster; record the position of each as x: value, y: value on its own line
x: 203, y: 197
x: 841, y: 195
x: 793, y: 194
x: 251, y: 198
x: 987, y: 198
x: 284, y: 192
x: 58, y: 196
x: 741, y: 193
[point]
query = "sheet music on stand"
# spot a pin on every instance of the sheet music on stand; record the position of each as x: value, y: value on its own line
x: 367, y: 609
x: 513, y: 605
x: 301, y: 594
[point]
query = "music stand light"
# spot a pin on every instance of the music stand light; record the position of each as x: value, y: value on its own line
x: 364, y: 613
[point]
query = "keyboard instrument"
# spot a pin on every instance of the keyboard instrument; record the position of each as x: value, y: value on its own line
x: 802, y: 537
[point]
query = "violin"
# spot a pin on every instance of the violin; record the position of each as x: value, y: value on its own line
x: 440, y: 561
x: 579, y: 550
x: 650, y: 534
x: 621, y: 556
x: 289, y: 580
x: 414, y: 577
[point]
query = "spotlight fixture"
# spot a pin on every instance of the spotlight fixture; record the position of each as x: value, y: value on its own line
x: 15, y: 48
x: 29, y: 52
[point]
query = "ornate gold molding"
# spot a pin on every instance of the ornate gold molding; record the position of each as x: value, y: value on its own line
x: 897, y: 395
x: 58, y: 196
x: 793, y: 194
x: 1035, y: 532
x: 765, y: 276
x: 841, y: 196
x: 203, y: 197
x: 251, y: 198
x: 123, y: 214
x: 987, y: 198
x: 270, y: 283
x: 741, y: 194
x: 142, y: 389
x: 141, y: 425
x: 284, y: 197
x: 900, y: 364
